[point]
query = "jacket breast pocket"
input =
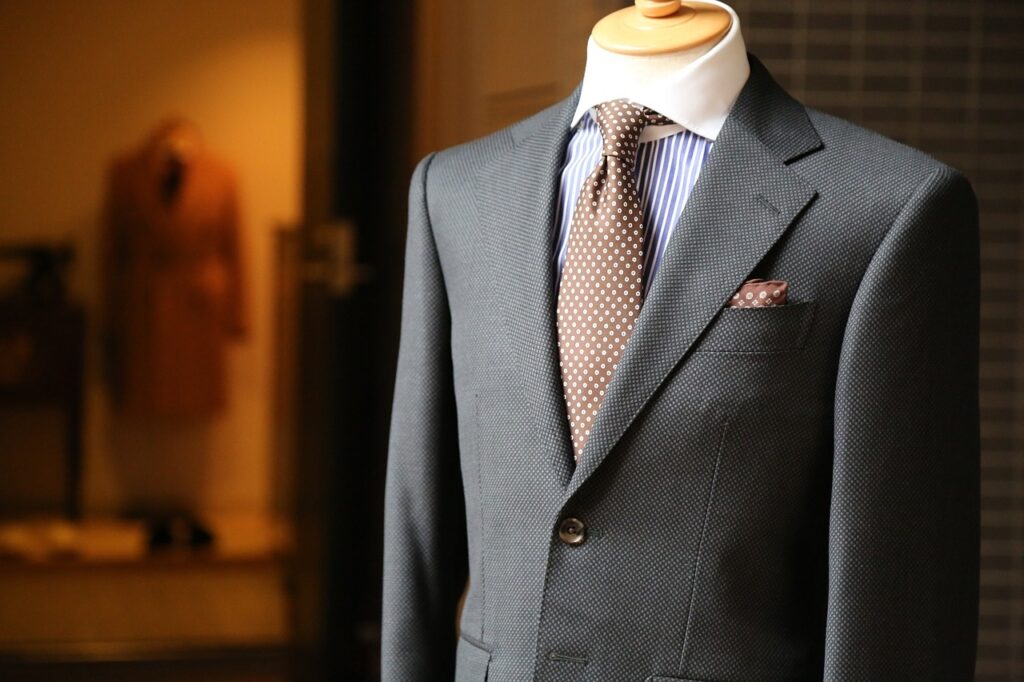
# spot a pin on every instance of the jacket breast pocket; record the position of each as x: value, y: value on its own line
x: 771, y: 329
x: 471, y: 660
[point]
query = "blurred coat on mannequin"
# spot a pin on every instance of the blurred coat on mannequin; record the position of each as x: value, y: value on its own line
x: 173, y: 274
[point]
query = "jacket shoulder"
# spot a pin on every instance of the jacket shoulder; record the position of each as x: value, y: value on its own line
x: 461, y: 160
x: 876, y: 159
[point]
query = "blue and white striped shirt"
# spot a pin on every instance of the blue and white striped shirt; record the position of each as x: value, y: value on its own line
x: 665, y: 172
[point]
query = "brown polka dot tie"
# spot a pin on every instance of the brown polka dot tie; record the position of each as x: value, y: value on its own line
x: 601, y: 288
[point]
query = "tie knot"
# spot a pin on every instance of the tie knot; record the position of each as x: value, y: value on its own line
x: 621, y: 123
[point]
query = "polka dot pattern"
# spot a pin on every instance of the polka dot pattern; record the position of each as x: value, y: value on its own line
x: 759, y: 293
x: 826, y: 530
x: 601, y: 289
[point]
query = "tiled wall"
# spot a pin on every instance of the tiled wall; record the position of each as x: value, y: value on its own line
x: 946, y: 76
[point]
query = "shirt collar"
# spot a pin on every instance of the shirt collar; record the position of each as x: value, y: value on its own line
x: 698, y: 96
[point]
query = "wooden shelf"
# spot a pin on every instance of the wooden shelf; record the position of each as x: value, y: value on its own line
x: 51, y: 543
x: 80, y: 587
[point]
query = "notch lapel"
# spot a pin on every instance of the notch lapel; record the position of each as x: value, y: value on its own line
x: 744, y: 200
x: 516, y: 196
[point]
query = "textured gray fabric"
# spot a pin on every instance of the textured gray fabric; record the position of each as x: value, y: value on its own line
x: 785, y: 493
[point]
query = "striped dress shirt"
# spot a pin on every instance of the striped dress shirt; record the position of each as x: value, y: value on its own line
x: 665, y: 171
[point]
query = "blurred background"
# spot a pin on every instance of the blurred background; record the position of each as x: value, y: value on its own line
x: 202, y: 222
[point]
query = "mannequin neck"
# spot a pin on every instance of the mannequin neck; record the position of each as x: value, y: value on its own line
x: 695, y: 87
x: 625, y: 71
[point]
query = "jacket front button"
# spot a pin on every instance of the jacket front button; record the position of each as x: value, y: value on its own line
x: 571, y: 531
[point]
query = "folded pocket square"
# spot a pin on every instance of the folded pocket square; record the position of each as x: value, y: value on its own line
x: 759, y: 293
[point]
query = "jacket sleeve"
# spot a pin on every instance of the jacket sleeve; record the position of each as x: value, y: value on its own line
x: 904, y: 520
x: 425, y: 555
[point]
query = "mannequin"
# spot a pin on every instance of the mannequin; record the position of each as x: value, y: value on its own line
x: 649, y: 58
x: 663, y: 26
x: 173, y: 274
x: 785, y: 492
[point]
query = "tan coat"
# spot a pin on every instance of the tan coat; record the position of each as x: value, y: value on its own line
x: 173, y: 280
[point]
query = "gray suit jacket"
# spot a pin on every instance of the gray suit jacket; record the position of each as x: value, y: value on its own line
x: 783, y: 493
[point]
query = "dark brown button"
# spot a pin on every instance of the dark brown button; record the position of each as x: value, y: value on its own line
x: 572, y: 531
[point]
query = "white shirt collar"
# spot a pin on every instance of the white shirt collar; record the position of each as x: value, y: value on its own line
x: 697, y: 96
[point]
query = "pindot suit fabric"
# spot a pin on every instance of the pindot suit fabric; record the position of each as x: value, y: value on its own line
x: 786, y: 492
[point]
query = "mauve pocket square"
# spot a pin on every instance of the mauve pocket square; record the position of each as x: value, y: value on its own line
x: 759, y: 293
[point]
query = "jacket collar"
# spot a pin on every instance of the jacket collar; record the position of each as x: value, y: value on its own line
x: 744, y: 200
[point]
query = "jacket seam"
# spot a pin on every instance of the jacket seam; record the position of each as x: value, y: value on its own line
x: 543, y: 594
x: 899, y: 214
x: 480, y: 521
x: 860, y: 283
x: 700, y: 545
x: 429, y: 159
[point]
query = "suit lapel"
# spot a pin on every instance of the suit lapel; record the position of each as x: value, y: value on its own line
x: 744, y: 200
x: 516, y: 197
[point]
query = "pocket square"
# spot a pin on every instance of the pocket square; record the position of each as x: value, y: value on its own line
x: 759, y: 293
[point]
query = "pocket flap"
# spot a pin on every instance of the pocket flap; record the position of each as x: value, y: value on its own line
x: 471, y: 661
x: 752, y: 330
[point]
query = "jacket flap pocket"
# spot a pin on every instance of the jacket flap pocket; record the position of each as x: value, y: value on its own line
x: 753, y: 330
x: 471, y: 660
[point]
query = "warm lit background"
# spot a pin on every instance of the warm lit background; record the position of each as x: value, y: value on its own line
x: 83, y: 80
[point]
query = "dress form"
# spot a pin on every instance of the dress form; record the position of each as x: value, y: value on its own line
x: 695, y: 51
x: 662, y: 26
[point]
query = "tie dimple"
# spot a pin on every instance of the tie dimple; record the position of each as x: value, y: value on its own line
x: 621, y: 123
x: 601, y: 292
